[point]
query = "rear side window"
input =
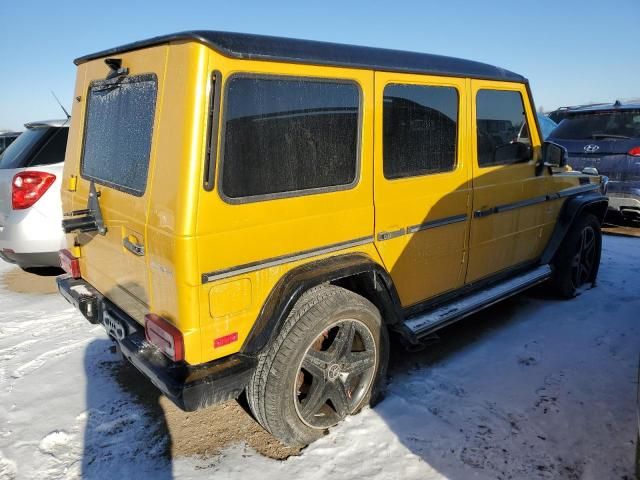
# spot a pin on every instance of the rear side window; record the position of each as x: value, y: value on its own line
x: 600, y: 125
x: 420, y: 130
x: 501, y: 128
x: 53, y: 151
x: 20, y: 153
x: 118, y: 131
x: 288, y: 136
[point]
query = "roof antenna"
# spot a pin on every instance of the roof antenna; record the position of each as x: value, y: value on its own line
x: 60, y: 103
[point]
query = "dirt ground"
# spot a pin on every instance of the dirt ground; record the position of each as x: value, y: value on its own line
x: 42, y: 282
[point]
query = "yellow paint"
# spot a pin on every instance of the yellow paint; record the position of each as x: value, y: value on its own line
x: 230, y: 298
x: 187, y: 231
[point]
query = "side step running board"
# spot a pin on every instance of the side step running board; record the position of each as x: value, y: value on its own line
x: 425, y: 324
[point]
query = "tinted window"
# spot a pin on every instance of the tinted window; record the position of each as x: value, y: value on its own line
x: 420, y: 130
x: 583, y: 126
x: 286, y: 135
x: 118, y: 129
x: 501, y: 124
x: 53, y: 150
x: 18, y: 154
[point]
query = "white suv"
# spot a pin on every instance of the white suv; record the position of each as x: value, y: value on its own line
x: 30, y: 207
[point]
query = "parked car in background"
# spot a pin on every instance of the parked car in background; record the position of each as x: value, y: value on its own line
x: 30, y: 207
x: 605, y: 139
x: 6, y: 139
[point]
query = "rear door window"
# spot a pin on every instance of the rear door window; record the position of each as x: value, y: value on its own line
x: 288, y: 136
x: 118, y: 132
x: 420, y: 130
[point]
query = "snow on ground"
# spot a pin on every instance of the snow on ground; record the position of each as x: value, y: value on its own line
x: 531, y: 388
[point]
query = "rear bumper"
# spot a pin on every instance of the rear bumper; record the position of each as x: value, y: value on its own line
x: 189, y: 387
x: 46, y: 259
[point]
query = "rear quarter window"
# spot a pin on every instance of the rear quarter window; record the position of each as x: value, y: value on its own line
x: 288, y: 136
x: 118, y: 132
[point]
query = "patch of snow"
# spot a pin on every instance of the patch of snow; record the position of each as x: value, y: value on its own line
x: 531, y: 388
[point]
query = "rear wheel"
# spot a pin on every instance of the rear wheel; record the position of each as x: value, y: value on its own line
x: 328, y: 362
x: 578, y: 259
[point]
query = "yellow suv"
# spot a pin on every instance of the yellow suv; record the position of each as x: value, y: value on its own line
x: 256, y: 214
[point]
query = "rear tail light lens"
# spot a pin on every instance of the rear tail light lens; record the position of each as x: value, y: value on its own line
x: 634, y: 152
x: 69, y: 263
x: 28, y: 188
x: 164, y: 336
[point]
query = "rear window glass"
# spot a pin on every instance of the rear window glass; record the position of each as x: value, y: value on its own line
x: 53, y: 150
x: 420, y: 130
x: 590, y: 126
x: 288, y: 135
x: 118, y: 131
x: 19, y: 153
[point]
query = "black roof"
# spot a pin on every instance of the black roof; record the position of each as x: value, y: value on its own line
x: 260, y: 47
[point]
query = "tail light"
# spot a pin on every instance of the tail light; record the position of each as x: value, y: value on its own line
x: 634, y: 152
x: 164, y: 336
x: 69, y: 263
x: 28, y: 188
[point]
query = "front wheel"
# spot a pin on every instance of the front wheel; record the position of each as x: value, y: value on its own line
x: 578, y: 258
x: 328, y: 362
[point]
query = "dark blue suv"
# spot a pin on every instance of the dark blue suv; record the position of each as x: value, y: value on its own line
x: 605, y: 139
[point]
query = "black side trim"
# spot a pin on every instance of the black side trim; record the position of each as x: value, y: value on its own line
x: 338, y: 269
x: 270, y: 262
x: 535, y: 200
x: 441, y: 222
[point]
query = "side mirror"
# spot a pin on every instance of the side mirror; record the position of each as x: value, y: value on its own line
x: 554, y: 155
x: 590, y: 171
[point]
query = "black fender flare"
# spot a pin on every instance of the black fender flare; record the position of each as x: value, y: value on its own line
x: 594, y: 202
x: 337, y: 269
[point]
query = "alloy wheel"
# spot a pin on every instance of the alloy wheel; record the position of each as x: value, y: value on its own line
x: 335, y: 374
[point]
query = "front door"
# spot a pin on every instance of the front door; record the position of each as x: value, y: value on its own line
x: 422, y: 186
x: 509, y: 198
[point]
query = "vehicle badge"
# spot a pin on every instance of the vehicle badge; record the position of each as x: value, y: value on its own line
x: 591, y: 148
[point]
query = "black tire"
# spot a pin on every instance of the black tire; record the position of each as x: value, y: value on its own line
x: 303, y: 365
x: 578, y: 258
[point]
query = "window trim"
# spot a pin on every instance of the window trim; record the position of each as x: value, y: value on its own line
x: 475, y: 122
x: 456, y: 163
x: 292, y: 193
x: 213, y: 130
x: 138, y: 78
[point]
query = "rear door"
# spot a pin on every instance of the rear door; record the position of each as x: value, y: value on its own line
x: 120, y: 116
x: 422, y: 188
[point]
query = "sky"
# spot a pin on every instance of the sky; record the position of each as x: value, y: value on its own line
x: 571, y: 51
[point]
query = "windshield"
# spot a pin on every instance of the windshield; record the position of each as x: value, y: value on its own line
x: 17, y: 154
x: 594, y: 125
